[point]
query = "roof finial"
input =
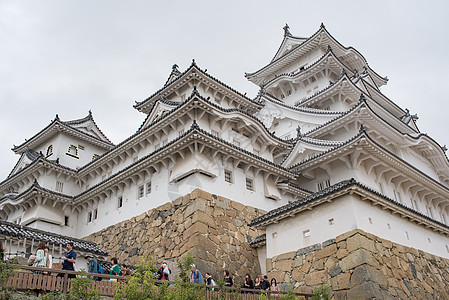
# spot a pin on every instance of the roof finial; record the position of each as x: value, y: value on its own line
x: 174, y: 67
x: 286, y: 30
x: 90, y: 113
x: 298, y: 132
x: 322, y: 25
x: 193, y: 62
x: 444, y: 148
x: 57, y: 117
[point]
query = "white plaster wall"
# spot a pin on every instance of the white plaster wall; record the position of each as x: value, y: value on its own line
x: 348, y: 213
x: 262, y: 256
x: 288, y: 235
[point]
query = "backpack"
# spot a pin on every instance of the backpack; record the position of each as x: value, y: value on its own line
x: 100, y: 269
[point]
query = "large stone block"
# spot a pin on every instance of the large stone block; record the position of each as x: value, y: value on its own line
x: 367, y: 290
x: 327, y: 251
x: 340, y: 282
x: 197, y: 204
x: 359, y: 241
x: 198, y: 227
x: 356, y: 258
x: 316, y: 278
x: 283, y: 265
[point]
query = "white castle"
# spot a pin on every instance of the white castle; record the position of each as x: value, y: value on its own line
x: 320, y: 148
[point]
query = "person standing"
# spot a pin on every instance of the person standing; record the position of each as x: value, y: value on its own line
x: 195, y: 275
x: 69, y: 260
x: 248, y: 284
x: 115, y: 269
x: 227, y: 279
x: 264, y: 284
x: 163, y: 272
x: 41, y: 259
x: 257, y: 283
x: 274, y: 287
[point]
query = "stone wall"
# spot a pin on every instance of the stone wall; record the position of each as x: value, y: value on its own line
x: 358, y: 265
x: 213, y: 229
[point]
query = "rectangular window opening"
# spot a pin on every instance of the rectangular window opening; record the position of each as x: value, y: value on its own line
x: 306, y: 233
x: 66, y: 220
x: 120, y: 202
x: 95, y: 214
x: 228, y: 176
x: 249, y: 184
x: 141, y: 191
x: 148, y: 187
x: 59, y: 186
x: 89, y: 217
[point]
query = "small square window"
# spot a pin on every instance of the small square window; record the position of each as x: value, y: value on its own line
x: 141, y: 191
x: 249, y: 184
x: 228, y: 176
x: 306, y: 233
x: 120, y: 202
x: 148, y: 187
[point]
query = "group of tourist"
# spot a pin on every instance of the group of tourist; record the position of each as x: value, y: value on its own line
x: 258, y: 284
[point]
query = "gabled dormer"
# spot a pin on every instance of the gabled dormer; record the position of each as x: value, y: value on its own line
x: 180, y: 86
x: 72, y: 143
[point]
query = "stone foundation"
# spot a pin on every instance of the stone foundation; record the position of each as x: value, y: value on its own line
x: 358, y: 265
x: 213, y: 229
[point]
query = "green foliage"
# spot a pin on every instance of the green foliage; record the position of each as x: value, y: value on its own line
x: 141, y: 286
x: 323, y: 292
x: 6, y: 271
x: 81, y: 288
x: 57, y: 295
x: 289, y: 296
x: 184, y: 267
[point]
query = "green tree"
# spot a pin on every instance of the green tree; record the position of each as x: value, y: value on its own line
x: 82, y: 288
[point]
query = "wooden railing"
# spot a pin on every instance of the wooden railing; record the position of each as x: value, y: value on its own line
x: 58, y: 280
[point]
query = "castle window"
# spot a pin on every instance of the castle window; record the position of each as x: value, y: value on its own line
x: 140, y: 192
x: 66, y: 220
x: 49, y: 150
x: 228, y: 176
x: 73, y: 151
x: 323, y: 185
x: 95, y: 214
x: 148, y: 187
x: 120, y: 202
x: 306, y: 233
x: 249, y: 184
x: 89, y: 217
x: 289, y: 92
x: 59, y: 186
x: 95, y: 156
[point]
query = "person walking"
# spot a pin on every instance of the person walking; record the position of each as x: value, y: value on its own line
x: 195, y: 275
x: 93, y: 266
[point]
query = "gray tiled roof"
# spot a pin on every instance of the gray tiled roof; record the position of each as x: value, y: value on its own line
x: 14, y: 230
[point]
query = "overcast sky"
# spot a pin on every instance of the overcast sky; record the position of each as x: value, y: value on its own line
x: 66, y: 57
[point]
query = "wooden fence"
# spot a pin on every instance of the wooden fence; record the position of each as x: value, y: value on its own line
x: 58, y: 280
